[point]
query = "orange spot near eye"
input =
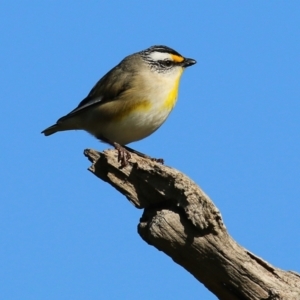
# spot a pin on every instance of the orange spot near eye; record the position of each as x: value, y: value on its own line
x: 177, y: 58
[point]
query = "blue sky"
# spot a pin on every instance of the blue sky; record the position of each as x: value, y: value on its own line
x: 235, y: 131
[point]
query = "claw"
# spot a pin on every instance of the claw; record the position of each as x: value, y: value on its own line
x: 123, y: 155
x: 159, y: 160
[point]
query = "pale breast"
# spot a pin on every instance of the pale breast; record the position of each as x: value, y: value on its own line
x: 139, y: 118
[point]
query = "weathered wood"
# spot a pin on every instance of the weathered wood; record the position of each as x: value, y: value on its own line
x: 181, y: 220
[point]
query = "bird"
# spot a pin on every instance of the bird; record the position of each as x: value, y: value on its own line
x: 131, y: 101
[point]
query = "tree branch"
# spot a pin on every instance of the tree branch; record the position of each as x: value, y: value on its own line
x: 181, y: 220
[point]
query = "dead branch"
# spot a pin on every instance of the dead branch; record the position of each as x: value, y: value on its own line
x: 181, y: 220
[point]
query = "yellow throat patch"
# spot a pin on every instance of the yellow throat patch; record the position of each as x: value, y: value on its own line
x: 172, y: 97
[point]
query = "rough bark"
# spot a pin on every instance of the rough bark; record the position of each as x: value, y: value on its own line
x: 181, y: 220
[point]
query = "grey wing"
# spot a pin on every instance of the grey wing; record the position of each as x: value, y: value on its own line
x: 107, y: 89
x: 80, y: 108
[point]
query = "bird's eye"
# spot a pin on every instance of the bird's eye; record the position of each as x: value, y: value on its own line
x: 166, y: 63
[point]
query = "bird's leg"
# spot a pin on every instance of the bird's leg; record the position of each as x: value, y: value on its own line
x: 124, y: 155
x: 124, y: 152
x: 159, y: 160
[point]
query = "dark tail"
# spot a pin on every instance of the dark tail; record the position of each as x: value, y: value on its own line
x: 50, y: 130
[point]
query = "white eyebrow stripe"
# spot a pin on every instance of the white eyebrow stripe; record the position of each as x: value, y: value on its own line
x: 160, y: 56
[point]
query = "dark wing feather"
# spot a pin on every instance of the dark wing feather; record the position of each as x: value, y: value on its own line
x: 107, y: 89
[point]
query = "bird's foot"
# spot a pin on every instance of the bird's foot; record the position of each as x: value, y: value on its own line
x: 159, y: 160
x: 123, y: 155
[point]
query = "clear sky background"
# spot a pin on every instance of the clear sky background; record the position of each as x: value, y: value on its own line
x: 235, y: 131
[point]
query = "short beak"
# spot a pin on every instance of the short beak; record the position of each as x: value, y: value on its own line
x: 188, y: 62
